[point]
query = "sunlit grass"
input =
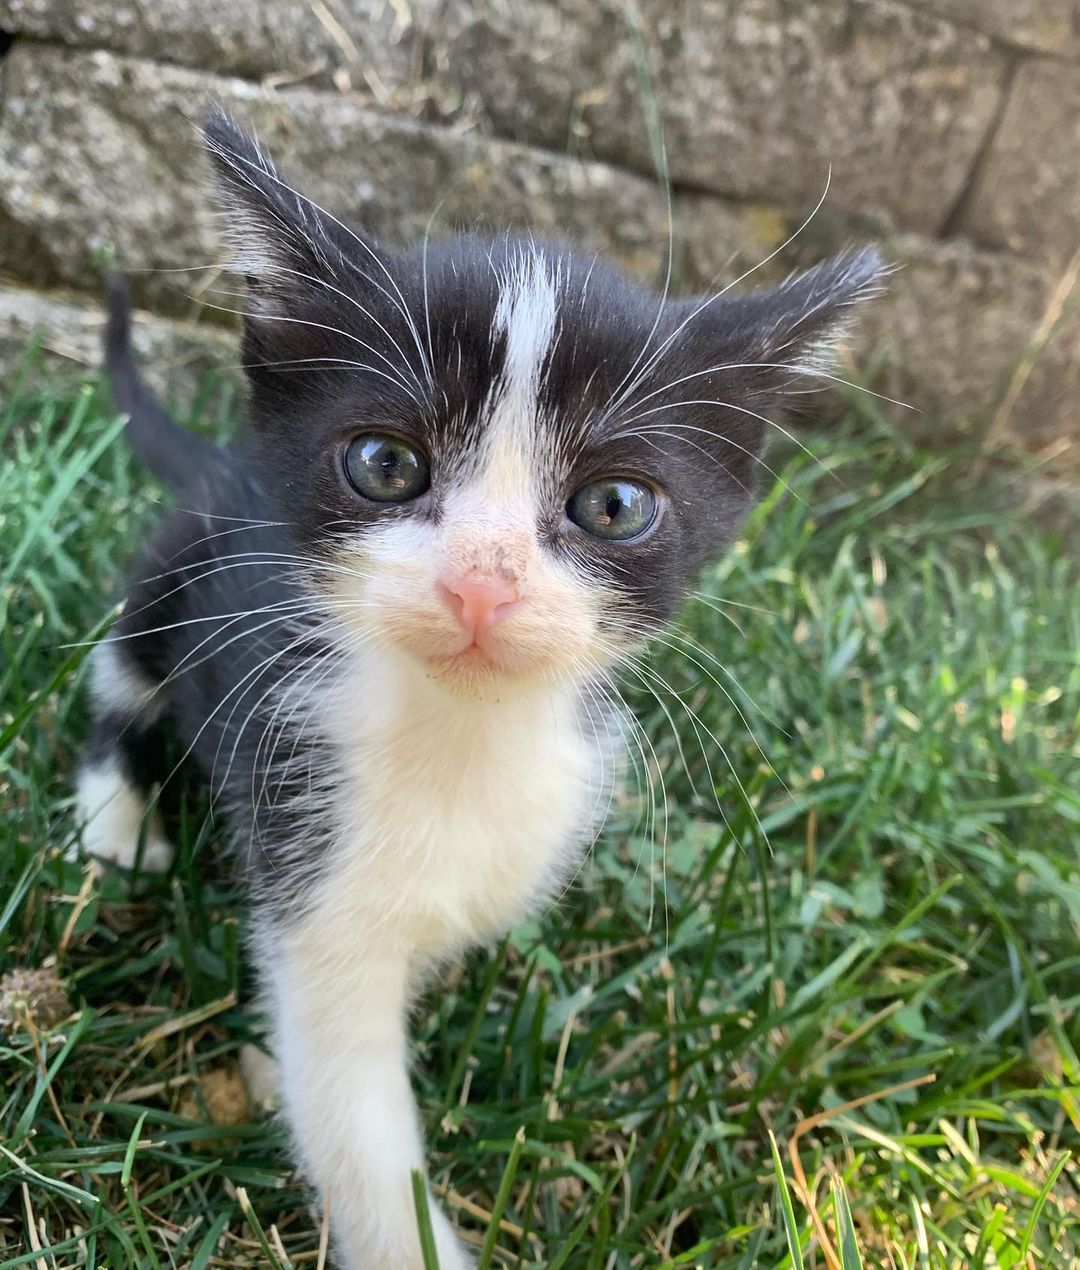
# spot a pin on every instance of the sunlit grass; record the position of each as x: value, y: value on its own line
x: 855, y: 928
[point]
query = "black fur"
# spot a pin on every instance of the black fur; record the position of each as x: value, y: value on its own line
x: 178, y: 457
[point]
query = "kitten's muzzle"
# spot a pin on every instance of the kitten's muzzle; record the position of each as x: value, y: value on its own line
x: 479, y: 604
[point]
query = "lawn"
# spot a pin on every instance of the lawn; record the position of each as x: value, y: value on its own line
x: 837, y: 908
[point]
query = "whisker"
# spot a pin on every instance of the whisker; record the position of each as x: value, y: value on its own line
x: 663, y: 639
x: 367, y: 313
x: 266, y: 170
x: 594, y: 679
x: 646, y: 433
x: 251, y: 678
x: 159, y: 599
x: 636, y: 733
x: 248, y: 558
x: 255, y: 671
x: 305, y: 667
x: 320, y: 326
x: 239, y: 520
x: 795, y: 368
x: 191, y: 621
x: 743, y: 410
x: 697, y: 721
x: 186, y: 665
x: 344, y: 646
x: 711, y: 600
x: 665, y: 179
x: 617, y: 401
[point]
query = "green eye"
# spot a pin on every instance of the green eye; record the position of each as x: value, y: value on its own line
x: 385, y: 469
x: 615, y: 509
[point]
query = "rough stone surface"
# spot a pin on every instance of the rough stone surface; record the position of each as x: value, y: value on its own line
x: 957, y: 326
x: 758, y: 98
x: 178, y: 356
x: 370, y: 43
x: 958, y: 117
x: 99, y: 152
x: 1048, y: 26
x: 1027, y: 194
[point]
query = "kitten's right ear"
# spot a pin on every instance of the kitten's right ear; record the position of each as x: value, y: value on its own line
x: 282, y: 242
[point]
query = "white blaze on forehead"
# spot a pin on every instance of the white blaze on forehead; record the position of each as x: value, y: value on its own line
x: 525, y: 319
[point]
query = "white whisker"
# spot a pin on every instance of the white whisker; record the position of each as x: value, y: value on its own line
x: 616, y: 400
x: 271, y: 174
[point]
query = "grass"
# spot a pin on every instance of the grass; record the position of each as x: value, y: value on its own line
x: 824, y: 1015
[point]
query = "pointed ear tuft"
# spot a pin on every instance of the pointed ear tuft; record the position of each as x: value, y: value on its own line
x: 800, y: 322
x: 278, y: 236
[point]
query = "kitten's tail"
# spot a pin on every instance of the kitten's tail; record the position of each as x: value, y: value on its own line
x: 177, y: 456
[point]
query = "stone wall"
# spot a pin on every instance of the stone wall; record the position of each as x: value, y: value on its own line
x: 949, y: 127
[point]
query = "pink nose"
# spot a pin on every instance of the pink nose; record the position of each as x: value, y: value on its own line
x: 479, y: 603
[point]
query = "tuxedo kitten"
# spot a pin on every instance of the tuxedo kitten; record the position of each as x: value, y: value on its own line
x: 384, y: 621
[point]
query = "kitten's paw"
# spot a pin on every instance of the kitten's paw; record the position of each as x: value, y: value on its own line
x: 157, y: 854
x: 262, y: 1076
x: 112, y: 811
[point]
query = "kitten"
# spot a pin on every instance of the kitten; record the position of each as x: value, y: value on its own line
x: 384, y: 621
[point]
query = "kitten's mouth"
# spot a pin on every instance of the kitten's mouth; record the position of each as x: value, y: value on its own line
x: 473, y: 656
x: 526, y: 646
x: 475, y: 663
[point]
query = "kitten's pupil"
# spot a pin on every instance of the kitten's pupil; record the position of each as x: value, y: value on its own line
x: 390, y: 463
x: 614, y: 506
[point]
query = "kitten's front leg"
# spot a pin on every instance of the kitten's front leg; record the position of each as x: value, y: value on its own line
x: 340, y: 1023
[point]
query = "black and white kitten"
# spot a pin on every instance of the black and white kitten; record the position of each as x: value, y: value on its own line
x: 383, y: 621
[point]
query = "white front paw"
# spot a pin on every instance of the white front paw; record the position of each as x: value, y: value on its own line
x: 113, y: 811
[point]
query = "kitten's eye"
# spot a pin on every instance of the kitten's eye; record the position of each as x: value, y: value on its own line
x: 615, y: 509
x: 385, y: 469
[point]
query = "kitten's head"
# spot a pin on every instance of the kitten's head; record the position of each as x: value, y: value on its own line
x: 510, y: 460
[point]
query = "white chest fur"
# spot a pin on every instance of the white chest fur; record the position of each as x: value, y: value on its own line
x: 452, y: 814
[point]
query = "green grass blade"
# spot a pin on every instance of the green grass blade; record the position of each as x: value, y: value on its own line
x: 273, y: 1261
x: 850, y: 1256
x: 502, y: 1197
x: 209, y: 1242
x: 421, y: 1201
x: 1040, y: 1203
x: 791, y: 1226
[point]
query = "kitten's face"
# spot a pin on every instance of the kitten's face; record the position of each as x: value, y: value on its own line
x: 510, y: 461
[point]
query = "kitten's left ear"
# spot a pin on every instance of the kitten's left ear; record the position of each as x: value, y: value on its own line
x: 798, y: 324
